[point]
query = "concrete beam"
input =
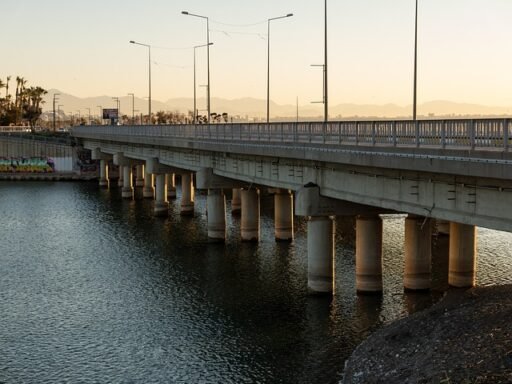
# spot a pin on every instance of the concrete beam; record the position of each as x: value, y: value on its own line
x: 154, y: 166
x: 309, y: 202
x: 206, y: 179
x: 121, y: 159
x: 96, y: 154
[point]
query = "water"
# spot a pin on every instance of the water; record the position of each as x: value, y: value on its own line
x: 93, y: 289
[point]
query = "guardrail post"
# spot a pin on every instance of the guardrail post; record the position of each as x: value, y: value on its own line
x: 472, y: 134
x: 357, y: 132
x: 505, y: 134
x: 373, y: 134
x: 443, y: 134
x: 393, y: 130
x: 417, y: 132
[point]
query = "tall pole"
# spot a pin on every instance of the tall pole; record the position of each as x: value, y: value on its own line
x: 101, y: 114
x: 133, y: 107
x: 326, y: 97
x: 118, y: 105
x: 415, y: 62
x: 207, y: 54
x: 54, y: 100
x: 89, y: 109
x: 268, y: 61
x: 58, y: 112
x: 195, y: 102
x: 149, y: 71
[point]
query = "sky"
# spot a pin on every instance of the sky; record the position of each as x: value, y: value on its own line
x: 82, y: 48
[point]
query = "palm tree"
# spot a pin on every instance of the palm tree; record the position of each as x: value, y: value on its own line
x: 7, y: 87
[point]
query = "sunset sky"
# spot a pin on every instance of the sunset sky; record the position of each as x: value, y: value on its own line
x: 82, y: 48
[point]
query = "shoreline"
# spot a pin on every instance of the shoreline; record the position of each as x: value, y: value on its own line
x: 464, y: 338
x: 57, y: 176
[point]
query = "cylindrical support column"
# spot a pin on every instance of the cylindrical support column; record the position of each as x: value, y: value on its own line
x: 139, y: 176
x: 236, y: 201
x: 462, y: 264
x: 250, y: 219
x: 320, y: 254
x: 171, y: 186
x: 120, y: 179
x: 216, y: 215
x: 369, y: 254
x: 103, y: 174
x: 148, y: 192
x: 418, y: 253
x: 161, y: 204
x: 187, y: 194
x: 127, y: 191
x: 283, y: 215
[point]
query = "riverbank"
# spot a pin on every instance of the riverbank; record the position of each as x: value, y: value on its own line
x: 57, y: 176
x: 465, y: 338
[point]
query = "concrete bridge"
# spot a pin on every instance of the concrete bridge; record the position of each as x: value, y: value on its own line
x: 456, y: 174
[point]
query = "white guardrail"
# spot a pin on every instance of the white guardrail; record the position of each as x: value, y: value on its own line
x: 473, y: 134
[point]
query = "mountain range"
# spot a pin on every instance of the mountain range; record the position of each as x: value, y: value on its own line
x: 250, y: 108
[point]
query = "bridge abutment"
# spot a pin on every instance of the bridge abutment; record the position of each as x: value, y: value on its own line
x: 462, y: 258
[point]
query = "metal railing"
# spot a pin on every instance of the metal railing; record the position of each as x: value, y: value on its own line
x: 471, y: 134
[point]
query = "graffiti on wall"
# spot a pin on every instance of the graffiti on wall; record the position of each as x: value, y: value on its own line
x: 84, y: 161
x: 26, y: 165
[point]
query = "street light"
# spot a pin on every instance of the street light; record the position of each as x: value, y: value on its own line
x: 89, y: 109
x: 195, y: 108
x: 268, y: 61
x: 133, y: 107
x: 207, y: 54
x: 326, y: 94
x: 54, y: 100
x: 149, y: 63
x: 415, y: 61
x: 324, y: 88
x: 58, y: 112
x: 118, y: 104
x: 101, y: 114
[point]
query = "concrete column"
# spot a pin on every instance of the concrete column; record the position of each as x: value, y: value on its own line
x: 161, y: 204
x: 418, y: 253
x: 320, y: 254
x: 103, y: 174
x: 148, y: 192
x: 283, y: 215
x: 120, y: 179
x: 127, y: 191
x: 187, y: 195
x: 236, y: 201
x: 171, y: 186
x: 250, y: 220
x: 462, y: 264
x: 139, y: 176
x: 216, y: 214
x: 369, y: 254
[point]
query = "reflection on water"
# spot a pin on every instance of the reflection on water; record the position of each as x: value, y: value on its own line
x: 95, y: 289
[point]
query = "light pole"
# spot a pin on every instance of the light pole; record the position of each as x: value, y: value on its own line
x: 58, y: 112
x: 415, y: 62
x: 195, y: 108
x: 133, y: 107
x: 149, y: 64
x: 118, y: 105
x: 324, y: 88
x: 55, y: 99
x: 89, y: 110
x: 207, y: 55
x: 101, y: 114
x: 326, y: 94
x: 268, y: 61
x: 79, y: 117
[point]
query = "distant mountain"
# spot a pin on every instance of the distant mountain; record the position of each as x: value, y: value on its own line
x: 256, y: 108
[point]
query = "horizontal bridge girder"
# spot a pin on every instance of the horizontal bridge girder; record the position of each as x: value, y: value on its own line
x: 207, y: 179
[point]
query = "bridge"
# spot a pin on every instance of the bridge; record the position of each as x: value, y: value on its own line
x: 456, y: 174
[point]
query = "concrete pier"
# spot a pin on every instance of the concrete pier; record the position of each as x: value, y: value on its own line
x: 161, y: 207
x: 103, y: 174
x: 320, y: 254
x: 369, y: 254
x: 462, y: 263
x: 418, y: 253
x: 187, y: 195
x: 250, y: 219
x: 216, y: 215
x: 171, y: 186
x: 120, y: 179
x: 283, y: 215
x: 127, y: 191
x: 149, y: 191
x: 139, y: 175
x: 236, y: 201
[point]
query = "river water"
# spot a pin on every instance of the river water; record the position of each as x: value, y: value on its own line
x: 94, y: 289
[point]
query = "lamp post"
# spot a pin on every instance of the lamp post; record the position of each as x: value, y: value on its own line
x: 133, y: 107
x: 195, y: 108
x: 326, y: 94
x: 89, y: 116
x: 79, y: 117
x: 101, y: 114
x: 55, y: 99
x: 58, y: 112
x: 415, y: 61
x: 149, y: 63
x: 268, y: 61
x: 207, y: 54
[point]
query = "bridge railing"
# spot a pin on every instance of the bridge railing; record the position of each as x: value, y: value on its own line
x: 471, y: 133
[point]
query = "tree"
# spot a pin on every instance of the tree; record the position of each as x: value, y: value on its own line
x: 32, y: 109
